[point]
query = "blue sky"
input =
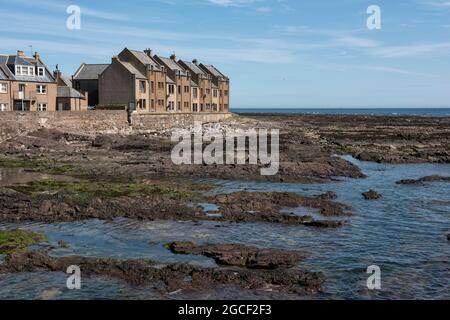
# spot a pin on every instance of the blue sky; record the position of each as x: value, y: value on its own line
x: 278, y: 53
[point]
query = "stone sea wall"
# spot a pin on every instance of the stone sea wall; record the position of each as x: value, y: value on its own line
x: 99, y: 121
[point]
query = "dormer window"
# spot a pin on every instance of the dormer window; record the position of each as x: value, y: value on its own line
x: 40, y: 71
x: 24, y: 71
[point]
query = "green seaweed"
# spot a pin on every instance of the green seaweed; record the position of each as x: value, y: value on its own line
x: 85, y: 189
x: 18, y: 240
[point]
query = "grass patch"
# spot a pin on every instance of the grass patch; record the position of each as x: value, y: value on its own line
x: 45, y: 166
x: 19, y: 240
x: 83, y: 190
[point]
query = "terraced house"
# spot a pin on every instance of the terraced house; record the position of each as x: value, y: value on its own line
x: 152, y: 83
x: 26, y: 84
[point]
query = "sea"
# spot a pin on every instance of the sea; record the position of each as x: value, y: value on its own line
x: 423, y: 112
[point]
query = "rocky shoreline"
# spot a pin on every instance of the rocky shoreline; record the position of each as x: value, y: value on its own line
x: 132, y: 176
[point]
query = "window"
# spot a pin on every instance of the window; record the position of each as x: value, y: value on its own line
x: 40, y: 89
x: 42, y: 107
x: 215, y: 93
x: 195, y: 107
x: 153, y: 86
x: 221, y: 93
x: 226, y: 106
x: 201, y: 92
x: 226, y: 93
x: 179, y: 106
x: 142, y: 104
x: 186, y: 89
x: 195, y: 93
x: 171, y: 89
x: 161, y: 102
x: 161, y: 85
x: 3, y: 107
x: 208, y: 106
x: 142, y: 86
x: 40, y: 71
x: 171, y: 106
x: 24, y: 71
x: 3, y: 87
x: 179, y: 89
x: 186, y: 105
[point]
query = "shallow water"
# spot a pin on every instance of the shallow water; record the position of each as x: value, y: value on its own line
x: 404, y: 234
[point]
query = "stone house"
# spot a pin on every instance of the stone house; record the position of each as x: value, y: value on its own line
x: 26, y: 84
x: 223, y: 83
x: 85, y: 79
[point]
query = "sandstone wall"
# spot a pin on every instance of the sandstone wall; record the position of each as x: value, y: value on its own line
x: 95, y: 122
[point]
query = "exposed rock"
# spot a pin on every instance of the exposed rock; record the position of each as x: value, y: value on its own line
x: 423, y: 181
x: 372, y: 195
x: 238, y: 207
x: 240, y: 255
x: 172, y: 277
x: 330, y: 195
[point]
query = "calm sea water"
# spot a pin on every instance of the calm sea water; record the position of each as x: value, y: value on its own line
x: 433, y: 112
x: 404, y: 233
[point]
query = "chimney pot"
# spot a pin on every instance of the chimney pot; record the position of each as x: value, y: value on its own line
x: 195, y: 61
x: 37, y: 56
x: 20, y: 53
x: 148, y: 52
x: 173, y: 57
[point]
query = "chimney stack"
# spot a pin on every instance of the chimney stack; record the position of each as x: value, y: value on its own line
x: 20, y: 53
x: 195, y: 61
x: 37, y: 56
x: 173, y: 57
x: 148, y: 52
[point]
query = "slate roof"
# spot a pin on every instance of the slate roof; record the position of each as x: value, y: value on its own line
x: 194, y: 68
x: 173, y: 65
x: 89, y: 71
x: 168, y: 80
x: 145, y: 59
x: 67, y: 92
x: 67, y: 81
x: 214, y: 71
x: 132, y: 69
x: 193, y: 84
x: 8, y: 65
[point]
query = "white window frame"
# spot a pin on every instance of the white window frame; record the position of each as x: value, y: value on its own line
x: 3, y: 107
x: 24, y: 71
x: 41, y: 89
x: 39, y: 70
x: 42, y: 107
x: 3, y: 87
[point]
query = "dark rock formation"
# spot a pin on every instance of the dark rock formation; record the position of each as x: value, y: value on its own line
x: 240, y: 255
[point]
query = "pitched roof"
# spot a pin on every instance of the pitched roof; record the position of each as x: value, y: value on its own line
x: 132, y: 69
x: 193, y: 84
x: 67, y: 92
x: 89, y: 71
x: 67, y: 81
x: 8, y: 65
x: 194, y: 68
x: 173, y: 65
x: 168, y: 80
x: 214, y: 71
x: 145, y: 59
